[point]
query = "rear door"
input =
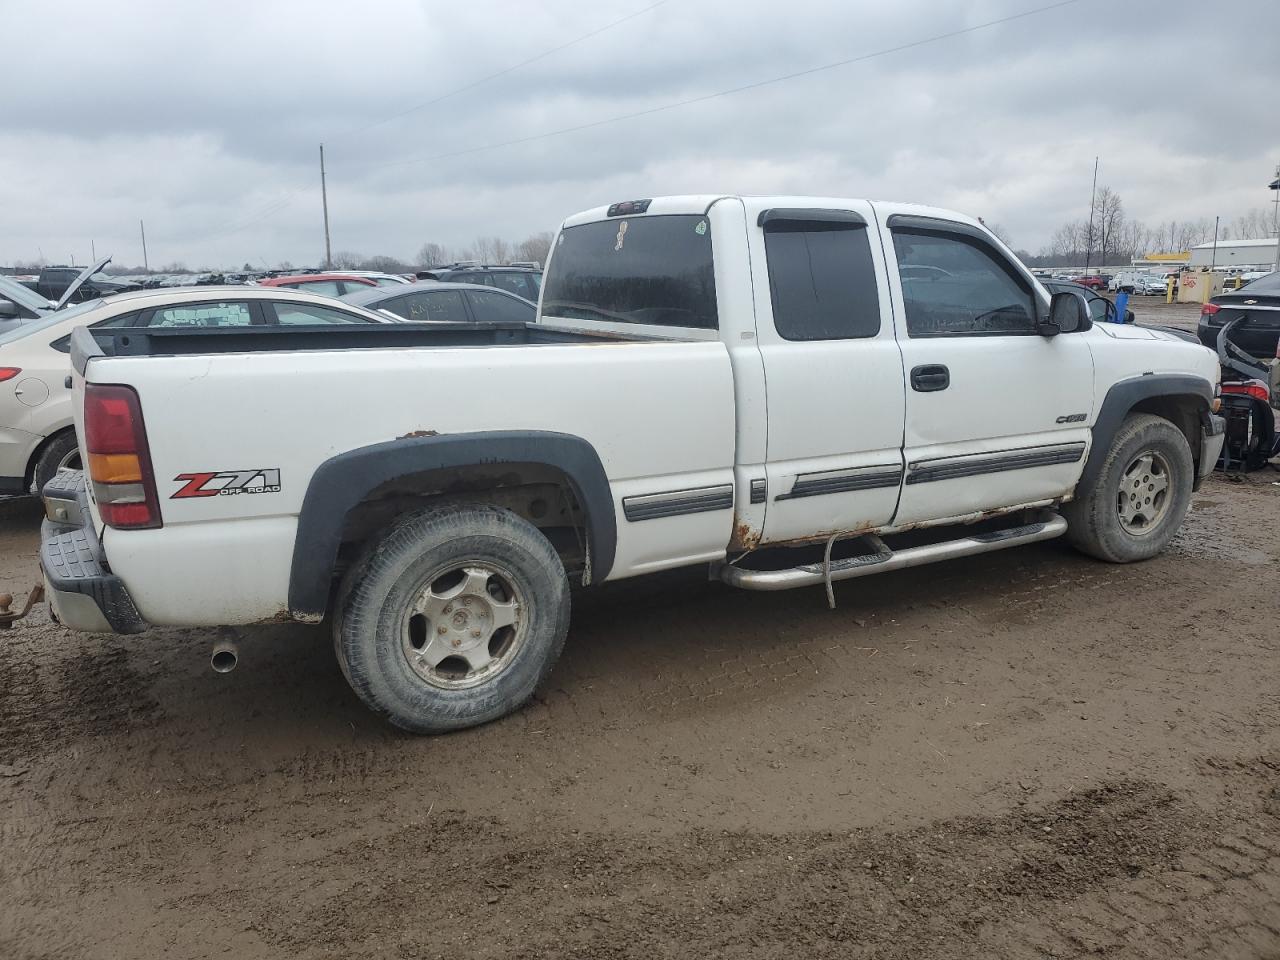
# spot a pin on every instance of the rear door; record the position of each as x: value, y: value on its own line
x: 832, y: 367
x: 996, y: 414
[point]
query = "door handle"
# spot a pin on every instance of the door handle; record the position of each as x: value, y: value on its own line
x: 930, y: 377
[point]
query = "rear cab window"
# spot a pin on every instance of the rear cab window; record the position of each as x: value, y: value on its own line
x: 642, y: 270
x: 822, y: 279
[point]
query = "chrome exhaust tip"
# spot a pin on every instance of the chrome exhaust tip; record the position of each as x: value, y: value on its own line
x: 225, y: 656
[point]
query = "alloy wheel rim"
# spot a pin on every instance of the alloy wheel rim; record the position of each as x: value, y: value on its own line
x: 465, y: 624
x: 1145, y: 493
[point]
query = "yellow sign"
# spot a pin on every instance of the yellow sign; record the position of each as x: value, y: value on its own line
x: 1170, y: 257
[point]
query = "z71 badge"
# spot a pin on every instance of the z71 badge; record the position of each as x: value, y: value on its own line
x: 218, y: 483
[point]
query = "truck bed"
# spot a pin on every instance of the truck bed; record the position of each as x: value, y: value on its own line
x: 183, y: 341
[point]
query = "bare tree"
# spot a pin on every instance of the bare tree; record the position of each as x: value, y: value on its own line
x: 537, y: 248
x: 1254, y: 225
x: 1108, y: 219
x: 432, y: 254
x: 346, y: 260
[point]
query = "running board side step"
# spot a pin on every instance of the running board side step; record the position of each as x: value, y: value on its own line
x: 811, y: 574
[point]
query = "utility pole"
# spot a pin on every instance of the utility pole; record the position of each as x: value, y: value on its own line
x: 1213, y: 263
x: 1093, y: 200
x: 93, y: 252
x: 143, y: 227
x: 1275, y: 185
x: 324, y: 200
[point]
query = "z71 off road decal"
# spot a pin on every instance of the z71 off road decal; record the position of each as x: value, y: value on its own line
x: 226, y: 482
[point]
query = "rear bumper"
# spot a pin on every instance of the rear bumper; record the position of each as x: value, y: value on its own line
x: 83, y: 594
x: 1211, y: 438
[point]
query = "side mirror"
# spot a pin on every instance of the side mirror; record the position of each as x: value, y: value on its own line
x: 1067, y: 314
x: 1129, y: 317
x: 8, y: 310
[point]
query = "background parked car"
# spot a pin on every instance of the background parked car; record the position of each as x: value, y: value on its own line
x: 1150, y: 285
x: 53, y: 282
x: 1259, y: 302
x: 36, y: 433
x: 430, y: 300
x: 381, y: 279
x: 1095, y: 281
x: 523, y: 281
x: 325, y: 284
x: 19, y: 304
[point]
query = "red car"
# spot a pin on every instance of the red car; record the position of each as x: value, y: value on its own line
x: 1095, y: 281
x: 328, y: 284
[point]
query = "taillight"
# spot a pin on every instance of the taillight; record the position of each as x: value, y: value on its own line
x: 119, y: 464
x: 8, y: 373
x: 1249, y: 388
x: 1209, y: 309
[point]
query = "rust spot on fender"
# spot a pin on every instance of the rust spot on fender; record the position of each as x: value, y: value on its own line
x: 745, y: 537
x: 280, y: 616
x: 418, y: 433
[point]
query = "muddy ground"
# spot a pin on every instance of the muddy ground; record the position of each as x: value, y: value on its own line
x: 1026, y: 754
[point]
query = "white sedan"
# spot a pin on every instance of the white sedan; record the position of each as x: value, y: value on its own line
x: 36, y: 433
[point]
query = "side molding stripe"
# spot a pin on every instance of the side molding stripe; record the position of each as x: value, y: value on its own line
x: 952, y: 468
x: 675, y: 503
x: 830, y: 481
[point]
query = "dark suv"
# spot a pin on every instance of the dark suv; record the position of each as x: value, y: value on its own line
x: 54, y: 281
x: 523, y: 281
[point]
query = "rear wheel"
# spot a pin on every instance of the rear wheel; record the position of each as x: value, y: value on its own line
x: 59, y: 452
x: 452, y: 618
x: 1140, y: 495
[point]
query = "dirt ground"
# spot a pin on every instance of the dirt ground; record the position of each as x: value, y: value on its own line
x: 1025, y: 754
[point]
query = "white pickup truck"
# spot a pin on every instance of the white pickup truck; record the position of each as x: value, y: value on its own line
x: 793, y: 391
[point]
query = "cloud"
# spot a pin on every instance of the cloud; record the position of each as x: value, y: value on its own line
x: 205, y: 120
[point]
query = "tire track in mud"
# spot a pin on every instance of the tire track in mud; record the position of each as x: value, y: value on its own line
x: 1128, y: 868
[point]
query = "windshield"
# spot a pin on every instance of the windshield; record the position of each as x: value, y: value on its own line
x: 655, y: 270
x: 23, y: 295
x: 35, y: 326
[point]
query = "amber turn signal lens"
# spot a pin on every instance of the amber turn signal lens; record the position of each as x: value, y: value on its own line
x: 115, y: 468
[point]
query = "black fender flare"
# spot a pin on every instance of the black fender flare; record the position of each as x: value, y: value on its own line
x: 344, y: 480
x: 1122, y: 397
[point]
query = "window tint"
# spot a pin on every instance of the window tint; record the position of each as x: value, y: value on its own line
x: 435, y: 306
x: 355, y: 286
x: 328, y: 288
x: 201, y: 315
x: 1098, y: 309
x: 310, y: 313
x: 655, y: 270
x: 487, y: 305
x: 952, y: 286
x: 822, y: 281
x: 517, y: 283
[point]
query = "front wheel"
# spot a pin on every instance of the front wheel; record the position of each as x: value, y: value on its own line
x: 1140, y: 495
x: 452, y: 618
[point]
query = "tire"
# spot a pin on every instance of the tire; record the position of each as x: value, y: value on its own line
x: 441, y: 592
x: 60, y: 451
x: 1096, y: 520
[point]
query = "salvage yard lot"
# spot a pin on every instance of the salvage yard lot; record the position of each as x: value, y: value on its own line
x: 1022, y: 754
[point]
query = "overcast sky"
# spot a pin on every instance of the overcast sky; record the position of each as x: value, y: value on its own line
x: 204, y: 118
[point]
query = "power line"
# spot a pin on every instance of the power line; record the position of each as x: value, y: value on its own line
x: 649, y: 111
x: 501, y: 73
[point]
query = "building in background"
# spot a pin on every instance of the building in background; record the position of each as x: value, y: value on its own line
x: 1245, y: 254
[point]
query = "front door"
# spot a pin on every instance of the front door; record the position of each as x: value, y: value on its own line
x: 832, y: 369
x: 996, y: 414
